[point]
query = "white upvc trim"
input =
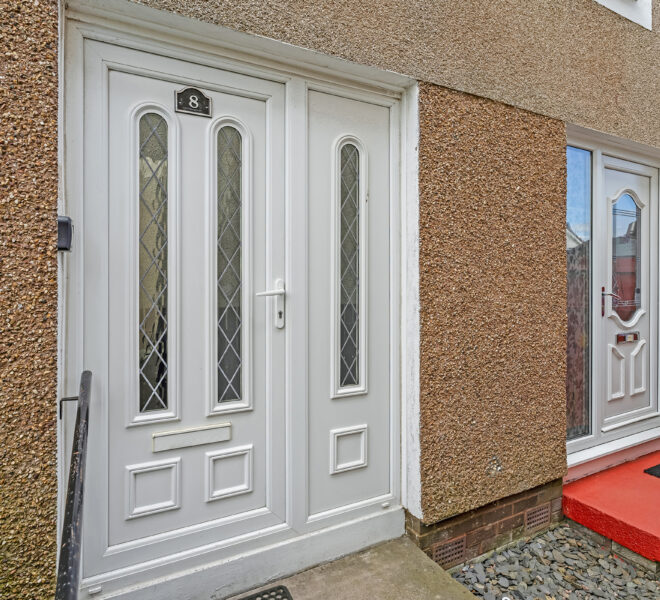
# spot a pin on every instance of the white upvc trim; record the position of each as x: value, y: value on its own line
x: 614, y: 146
x: 637, y: 11
x: 589, y: 454
x: 411, y: 492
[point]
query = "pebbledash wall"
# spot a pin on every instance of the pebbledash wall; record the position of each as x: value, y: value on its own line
x: 28, y: 297
x: 503, y: 77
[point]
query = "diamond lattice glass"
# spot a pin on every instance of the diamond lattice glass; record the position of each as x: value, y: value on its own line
x: 152, y: 308
x: 229, y: 264
x: 349, y: 265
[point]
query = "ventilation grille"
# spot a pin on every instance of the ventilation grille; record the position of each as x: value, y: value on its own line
x: 449, y: 553
x: 538, y: 516
x: 277, y: 593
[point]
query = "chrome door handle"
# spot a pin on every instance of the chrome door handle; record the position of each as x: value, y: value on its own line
x: 603, y: 293
x: 279, y: 293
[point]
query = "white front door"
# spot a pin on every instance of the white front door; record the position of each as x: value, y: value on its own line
x: 236, y: 308
x: 625, y: 267
x: 183, y: 227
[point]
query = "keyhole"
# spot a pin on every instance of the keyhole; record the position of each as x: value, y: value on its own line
x: 280, y: 314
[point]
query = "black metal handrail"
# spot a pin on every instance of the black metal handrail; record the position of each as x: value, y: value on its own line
x: 68, y: 570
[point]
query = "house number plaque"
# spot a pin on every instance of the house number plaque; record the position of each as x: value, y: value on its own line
x: 193, y: 102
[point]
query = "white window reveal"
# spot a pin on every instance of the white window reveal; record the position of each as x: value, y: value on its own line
x: 638, y: 11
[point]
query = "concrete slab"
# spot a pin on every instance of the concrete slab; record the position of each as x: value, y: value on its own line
x: 395, y: 570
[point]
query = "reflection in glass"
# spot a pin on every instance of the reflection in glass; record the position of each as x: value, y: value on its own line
x: 349, y: 267
x: 229, y: 264
x: 578, y: 263
x: 626, y: 257
x: 152, y: 304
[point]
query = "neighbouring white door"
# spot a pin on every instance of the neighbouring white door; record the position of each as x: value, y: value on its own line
x: 233, y: 295
x: 625, y: 269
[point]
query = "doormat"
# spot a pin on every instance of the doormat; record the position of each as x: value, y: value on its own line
x: 655, y: 471
x: 277, y: 593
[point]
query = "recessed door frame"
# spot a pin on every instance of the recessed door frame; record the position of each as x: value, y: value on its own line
x: 124, y: 23
x: 610, y: 151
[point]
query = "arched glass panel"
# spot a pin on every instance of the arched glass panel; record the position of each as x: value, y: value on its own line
x: 152, y: 303
x: 349, y: 267
x: 229, y: 264
x: 626, y: 257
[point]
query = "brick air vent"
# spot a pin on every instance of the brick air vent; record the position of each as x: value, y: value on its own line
x: 448, y: 554
x: 536, y: 517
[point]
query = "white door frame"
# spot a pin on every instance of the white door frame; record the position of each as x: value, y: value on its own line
x: 127, y: 24
x: 602, y: 443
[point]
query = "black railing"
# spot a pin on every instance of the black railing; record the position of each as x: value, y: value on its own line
x: 68, y: 570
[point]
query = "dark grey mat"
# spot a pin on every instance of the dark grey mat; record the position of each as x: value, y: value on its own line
x: 277, y: 593
x: 655, y: 471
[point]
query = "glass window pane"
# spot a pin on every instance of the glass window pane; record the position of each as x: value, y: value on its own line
x: 229, y: 264
x: 578, y: 257
x: 626, y: 257
x: 349, y: 265
x: 152, y: 304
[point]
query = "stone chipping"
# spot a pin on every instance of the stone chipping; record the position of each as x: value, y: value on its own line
x: 564, y: 563
x: 28, y: 298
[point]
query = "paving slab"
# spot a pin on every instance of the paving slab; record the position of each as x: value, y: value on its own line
x: 395, y: 570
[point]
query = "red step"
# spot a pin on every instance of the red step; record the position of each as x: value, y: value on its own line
x: 621, y: 503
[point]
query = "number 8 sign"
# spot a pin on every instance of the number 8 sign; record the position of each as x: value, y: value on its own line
x: 193, y: 102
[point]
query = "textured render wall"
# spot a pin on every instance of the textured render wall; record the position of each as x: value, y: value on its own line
x: 573, y: 60
x: 493, y: 300
x: 28, y: 297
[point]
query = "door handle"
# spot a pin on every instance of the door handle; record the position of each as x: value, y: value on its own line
x: 603, y: 293
x: 278, y: 293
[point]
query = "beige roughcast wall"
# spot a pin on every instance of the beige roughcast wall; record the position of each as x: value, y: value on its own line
x: 28, y: 297
x: 573, y: 60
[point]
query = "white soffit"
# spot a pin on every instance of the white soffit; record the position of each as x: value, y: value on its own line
x: 638, y: 11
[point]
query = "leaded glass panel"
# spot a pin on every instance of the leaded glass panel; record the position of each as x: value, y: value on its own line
x: 152, y: 303
x: 349, y: 267
x: 229, y: 274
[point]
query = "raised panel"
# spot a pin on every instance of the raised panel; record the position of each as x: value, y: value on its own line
x: 228, y: 473
x: 348, y: 449
x: 152, y: 487
x: 193, y: 436
x: 616, y: 373
x: 638, y: 369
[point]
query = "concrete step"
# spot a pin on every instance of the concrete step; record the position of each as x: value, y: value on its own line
x: 395, y: 570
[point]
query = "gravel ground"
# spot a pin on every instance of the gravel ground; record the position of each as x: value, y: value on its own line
x: 561, y: 563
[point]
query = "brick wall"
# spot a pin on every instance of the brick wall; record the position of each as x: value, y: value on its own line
x: 464, y: 537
